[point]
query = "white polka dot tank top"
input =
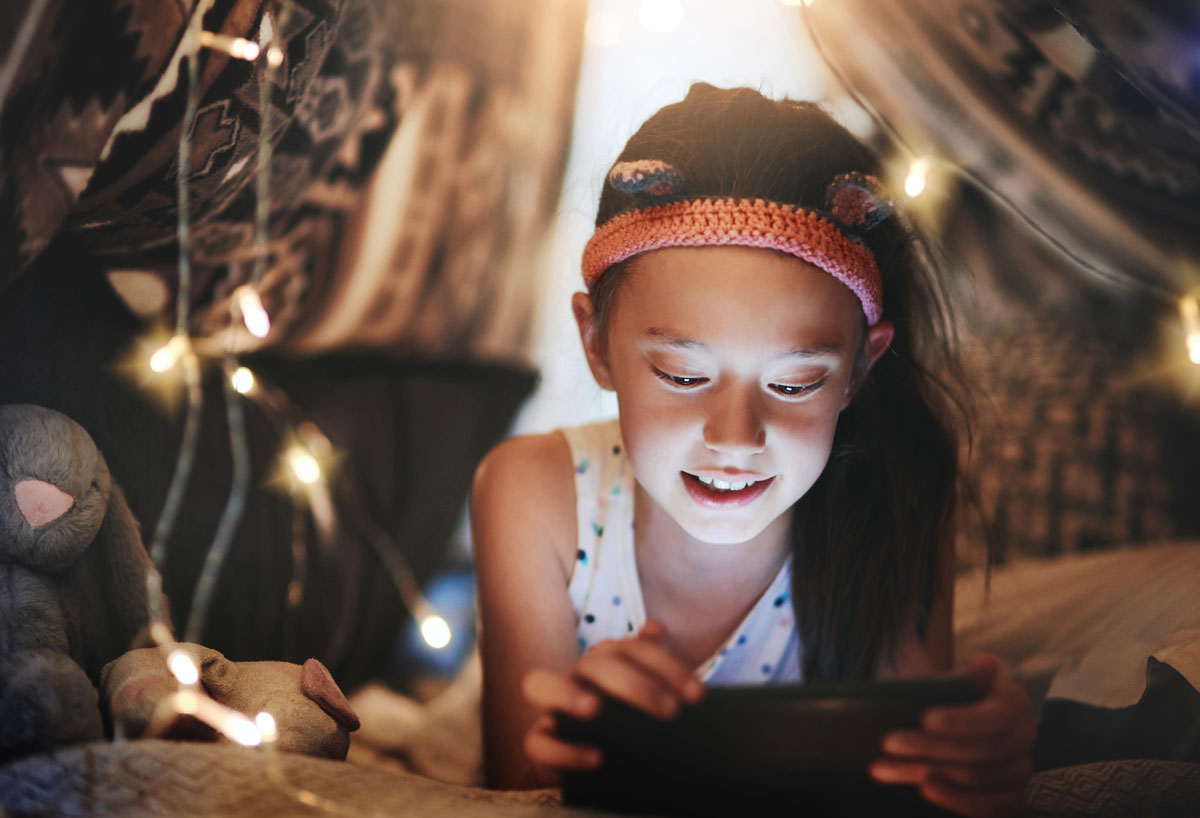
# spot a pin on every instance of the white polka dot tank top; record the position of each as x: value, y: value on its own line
x: 607, y: 595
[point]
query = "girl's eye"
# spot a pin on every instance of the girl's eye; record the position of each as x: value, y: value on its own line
x: 796, y: 389
x: 679, y: 380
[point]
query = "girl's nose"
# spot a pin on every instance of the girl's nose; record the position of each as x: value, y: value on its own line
x: 734, y: 424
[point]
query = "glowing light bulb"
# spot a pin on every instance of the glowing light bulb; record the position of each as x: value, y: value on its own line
x: 243, y: 380
x: 1189, y: 311
x: 254, y: 314
x: 183, y: 666
x: 186, y: 702
x: 166, y: 356
x: 241, y: 729
x: 918, y: 175
x: 237, y: 47
x: 435, y: 631
x: 266, y: 726
x: 304, y: 465
x: 660, y: 15
x: 274, y: 56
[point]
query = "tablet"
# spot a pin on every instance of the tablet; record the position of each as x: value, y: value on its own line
x: 800, y: 748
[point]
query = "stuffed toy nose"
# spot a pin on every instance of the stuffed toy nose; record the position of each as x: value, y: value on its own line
x: 41, y: 502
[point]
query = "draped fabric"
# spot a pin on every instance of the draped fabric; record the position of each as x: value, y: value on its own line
x: 417, y: 151
x: 1083, y: 115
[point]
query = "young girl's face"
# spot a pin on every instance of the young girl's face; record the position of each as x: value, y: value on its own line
x: 731, y: 365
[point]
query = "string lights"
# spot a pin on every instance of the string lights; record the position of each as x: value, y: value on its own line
x: 1189, y: 312
x: 307, y: 457
x: 169, y: 354
x: 242, y: 380
x: 917, y: 178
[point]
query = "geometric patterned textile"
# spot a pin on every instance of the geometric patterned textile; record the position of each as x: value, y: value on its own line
x: 417, y: 153
x: 418, y: 148
x: 1085, y: 116
x: 1115, y: 789
x: 1083, y: 113
x: 1074, y: 443
x: 150, y: 777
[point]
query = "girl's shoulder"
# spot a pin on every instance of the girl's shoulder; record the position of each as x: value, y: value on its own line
x: 523, y: 497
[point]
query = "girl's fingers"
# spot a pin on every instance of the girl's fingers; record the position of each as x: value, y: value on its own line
x: 543, y: 748
x: 552, y: 691
x: 969, y: 802
x: 647, y: 658
x: 1010, y: 775
x: 647, y: 651
x: 1005, y: 776
x: 914, y: 744
x: 620, y: 674
x: 992, y: 715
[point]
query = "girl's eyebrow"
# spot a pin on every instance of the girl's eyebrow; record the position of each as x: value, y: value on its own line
x: 665, y: 337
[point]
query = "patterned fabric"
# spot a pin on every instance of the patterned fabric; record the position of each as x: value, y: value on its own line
x: 418, y: 149
x: 1075, y: 445
x: 417, y: 146
x: 606, y: 593
x: 192, y: 779
x: 151, y: 777
x: 1083, y: 419
x: 1082, y: 133
x: 1115, y: 789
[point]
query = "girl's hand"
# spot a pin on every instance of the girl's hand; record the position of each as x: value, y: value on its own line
x: 974, y: 759
x: 639, y: 671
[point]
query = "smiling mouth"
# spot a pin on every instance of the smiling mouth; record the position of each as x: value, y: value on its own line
x: 721, y: 485
x: 719, y: 494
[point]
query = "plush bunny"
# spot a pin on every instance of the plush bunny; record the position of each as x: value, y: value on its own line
x: 74, y: 612
x: 72, y: 580
x: 311, y: 714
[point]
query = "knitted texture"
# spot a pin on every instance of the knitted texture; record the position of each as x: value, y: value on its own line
x: 745, y: 222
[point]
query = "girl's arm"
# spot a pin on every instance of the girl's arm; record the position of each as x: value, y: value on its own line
x: 523, y: 534
x: 523, y: 518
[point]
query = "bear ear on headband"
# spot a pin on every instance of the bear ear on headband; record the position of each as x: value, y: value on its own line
x: 858, y: 202
x: 645, y: 178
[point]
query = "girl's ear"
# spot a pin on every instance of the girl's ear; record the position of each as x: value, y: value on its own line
x: 590, y: 333
x: 879, y: 338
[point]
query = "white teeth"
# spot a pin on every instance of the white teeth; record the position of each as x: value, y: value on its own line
x: 722, y: 485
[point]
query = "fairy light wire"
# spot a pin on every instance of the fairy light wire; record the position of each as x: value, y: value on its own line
x: 191, y: 366
x: 1106, y: 274
x: 239, y: 489
x: 231, y: 514
x: 191, y: 697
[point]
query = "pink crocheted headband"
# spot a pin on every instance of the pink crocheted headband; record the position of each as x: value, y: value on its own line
x: 853, y: 203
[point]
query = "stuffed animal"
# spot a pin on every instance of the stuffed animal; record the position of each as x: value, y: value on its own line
x: 72, y: 580
x: 73, y: 601
x: 311, y: 714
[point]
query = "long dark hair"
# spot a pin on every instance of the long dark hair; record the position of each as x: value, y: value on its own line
x: 866, y: 537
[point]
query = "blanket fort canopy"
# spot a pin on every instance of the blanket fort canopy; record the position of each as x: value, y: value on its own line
x: 414, y: 152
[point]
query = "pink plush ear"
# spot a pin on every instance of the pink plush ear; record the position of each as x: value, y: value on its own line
x: 318, y: 685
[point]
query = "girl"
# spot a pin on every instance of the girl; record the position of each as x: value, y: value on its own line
x: 775, y: 502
